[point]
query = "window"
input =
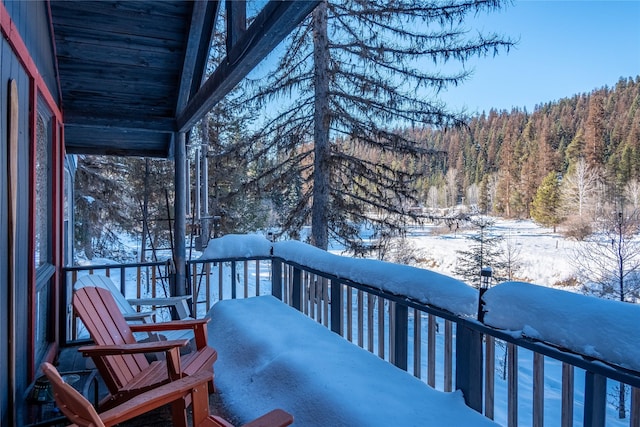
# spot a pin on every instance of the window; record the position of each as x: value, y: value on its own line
x: 42, y: 251
x: 43, y: 210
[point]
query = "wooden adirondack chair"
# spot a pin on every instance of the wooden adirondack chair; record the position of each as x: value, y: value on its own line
x: 121, y: 360
x: 78, y: 409
x: 131, y: 315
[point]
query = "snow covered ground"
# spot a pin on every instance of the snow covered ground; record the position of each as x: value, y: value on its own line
x: 543, y: 256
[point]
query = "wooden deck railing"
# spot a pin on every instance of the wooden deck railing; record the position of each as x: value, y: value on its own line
x: 446, y: 351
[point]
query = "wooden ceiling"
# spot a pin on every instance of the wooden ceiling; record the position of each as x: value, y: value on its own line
x: 131, y: 72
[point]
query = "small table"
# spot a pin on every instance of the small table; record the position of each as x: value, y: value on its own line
x: 41, y: 409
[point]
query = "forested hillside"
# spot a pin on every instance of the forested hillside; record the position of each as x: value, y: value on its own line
x: 572, y: 162
x: 499, y: 161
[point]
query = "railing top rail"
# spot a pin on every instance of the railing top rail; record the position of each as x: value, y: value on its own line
x: 114, y: 266
x: 231, y: 259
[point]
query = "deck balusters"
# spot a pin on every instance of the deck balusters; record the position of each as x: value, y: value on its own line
x: 349, y: 310
x: 207, y: 285
x: 325, y: 300
x: 337, y: 307
x: 246, y: 279
x: 360, y: 318
x: 381, y: 334
x: 417, y: 343
x: 370, y: 317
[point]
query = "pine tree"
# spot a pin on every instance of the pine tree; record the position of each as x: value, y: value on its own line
x: 595, y: 144
x: 357, y: 70
x: 484, y: 251
x: 546, y: 207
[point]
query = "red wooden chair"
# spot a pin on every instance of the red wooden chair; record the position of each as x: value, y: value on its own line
x: 121, y: 360
x: 78, y: 409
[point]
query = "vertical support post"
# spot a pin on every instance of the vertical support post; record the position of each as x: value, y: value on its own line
x: 195, y: 215
x: 635, y: 407
x: 595, y: 399
x: 448, y: 355
x: 276, y: 278
x: 63, y: 336
x: 538, y: 390
x: 469, y: 365
x: 431, y: 345
x: 180, y: 208
x: 401, y: 335
x: 123, y: 282
x: 567, y: 395
x: 296, y: 297
x: 204, y: 195
x: 489, y: 382
x: 512, y: 385
x: 337, y: 318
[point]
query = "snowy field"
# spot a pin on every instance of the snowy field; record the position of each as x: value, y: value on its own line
x: 543, y: 256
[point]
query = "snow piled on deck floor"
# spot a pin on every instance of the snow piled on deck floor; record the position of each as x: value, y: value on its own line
x: 271, y: 356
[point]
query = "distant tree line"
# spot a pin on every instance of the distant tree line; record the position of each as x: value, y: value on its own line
x: 575, y: 157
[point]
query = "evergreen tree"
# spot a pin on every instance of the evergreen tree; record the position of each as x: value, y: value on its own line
x: 595, y: 144
x: 484, y: 251
x: 356, y: 70
x: 546, y: 207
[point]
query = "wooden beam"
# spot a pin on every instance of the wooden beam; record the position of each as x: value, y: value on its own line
x: 196, y: 28
x: 276, y: 20
x: 115, y: 123
x: 207, y: 37
x: 236, y: 22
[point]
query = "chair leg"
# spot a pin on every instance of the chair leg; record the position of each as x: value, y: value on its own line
x: 179, y: 413
x: 200, y: 404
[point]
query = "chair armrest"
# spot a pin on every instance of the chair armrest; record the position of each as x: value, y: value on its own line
x: 160, y: 301
x: 147, y: 347
x: 170, y: 326
x: 199, y: 327
x: 179, y: 303
x: 139, y: 316
x: 153, y: 399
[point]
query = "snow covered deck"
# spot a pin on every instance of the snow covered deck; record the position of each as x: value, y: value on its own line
x: 273, y: 356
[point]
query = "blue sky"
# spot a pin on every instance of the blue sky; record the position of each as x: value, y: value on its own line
x: 565, y: 48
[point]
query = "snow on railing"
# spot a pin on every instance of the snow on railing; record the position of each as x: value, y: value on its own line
x: 427, y: 287
x: 594, y: 327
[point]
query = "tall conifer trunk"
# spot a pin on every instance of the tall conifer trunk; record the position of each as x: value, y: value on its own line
x: 322, y: 121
